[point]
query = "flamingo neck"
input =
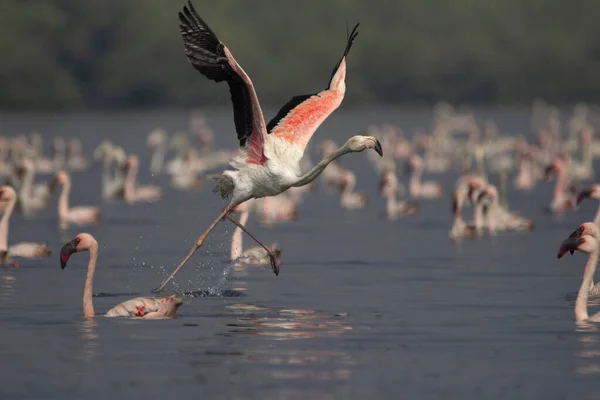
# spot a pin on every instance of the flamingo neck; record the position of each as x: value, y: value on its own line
x: 391, y: 205
x: 587, y: 157
x: 581, y: 313
x: 236, y: 240
x: 4, y: 224
x: 26, y: 188
x: 597, y: 217
x: 63, y: 201
x: 130, y: 182
x: 561, y: 183
x: 88, y: 305
x: 315, y: 171
x: 478, y: 216
x: 415, y: 181
x: 158, y: 158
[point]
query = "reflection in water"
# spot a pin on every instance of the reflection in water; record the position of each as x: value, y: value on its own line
x: 7, y: 288
x: 311, y: 372
x: 589, y: 356
x: 282, y: 324
x: 89, y: 339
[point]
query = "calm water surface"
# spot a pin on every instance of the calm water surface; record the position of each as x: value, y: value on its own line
x: 363, y: 307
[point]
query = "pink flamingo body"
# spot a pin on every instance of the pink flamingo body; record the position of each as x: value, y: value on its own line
x: 268, y: 162
x: 141, y: 307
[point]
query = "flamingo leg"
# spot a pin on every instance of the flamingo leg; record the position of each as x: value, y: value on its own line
x: 196, y: 246
x: 275, y: 262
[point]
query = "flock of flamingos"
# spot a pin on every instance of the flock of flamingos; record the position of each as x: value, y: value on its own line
x: 273, y: 172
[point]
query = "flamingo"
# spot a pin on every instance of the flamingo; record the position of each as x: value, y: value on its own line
x: 24, y: 249
x: 134, y: 193
x: 255, y: 255
x: 268, y: 162
x: 157, y: 142
x: 32, y: 197
x: 389, y: 187
x: 140, y: 307
x: 591, y: 229
x: 586, y: 244
x: 81, y: 215
x: 349, y: 199
x: 563, y: 199
x: 417, y: 188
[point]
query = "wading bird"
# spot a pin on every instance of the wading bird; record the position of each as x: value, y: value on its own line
x: 141, y: 307
x: 268, y: 162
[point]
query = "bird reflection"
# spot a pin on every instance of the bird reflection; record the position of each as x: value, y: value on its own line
x: 7, y: 287
x: 285, y: 324
x: 89, y: 337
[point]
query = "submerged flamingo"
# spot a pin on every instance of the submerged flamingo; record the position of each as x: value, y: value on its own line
x: 268, y: 162
x: 141, y: 307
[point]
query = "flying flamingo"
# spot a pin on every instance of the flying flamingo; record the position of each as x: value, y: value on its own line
x: 81, y: 215
x: 268, y: 162
x: 141, y: 307
x: 8, y: 197
x: 586, y: 244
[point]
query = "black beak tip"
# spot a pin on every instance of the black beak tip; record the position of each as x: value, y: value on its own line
x: 63, y: 265
x: 378, y: 148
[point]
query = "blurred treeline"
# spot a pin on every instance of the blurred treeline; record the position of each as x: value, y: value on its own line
x: 128, y: 53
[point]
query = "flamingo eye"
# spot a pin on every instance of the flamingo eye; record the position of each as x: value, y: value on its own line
x: 77, y: 240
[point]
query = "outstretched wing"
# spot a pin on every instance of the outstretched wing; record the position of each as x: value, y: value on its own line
x: 298, y: 120
x: 214, y: 60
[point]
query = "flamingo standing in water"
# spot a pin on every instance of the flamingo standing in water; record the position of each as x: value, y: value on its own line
x: 81, y: 215
x: 141, y: 307
x: 8, y: 197
x: 268, y: 162
x: 254, y: 255
x: 134, y: 193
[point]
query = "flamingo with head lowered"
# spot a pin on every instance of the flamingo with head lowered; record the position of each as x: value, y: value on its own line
x: 268, y: 162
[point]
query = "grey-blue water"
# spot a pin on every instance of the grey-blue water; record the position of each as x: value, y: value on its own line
x: 363, y: 307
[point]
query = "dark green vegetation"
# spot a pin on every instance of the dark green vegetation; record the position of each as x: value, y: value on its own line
x: 116, y: 53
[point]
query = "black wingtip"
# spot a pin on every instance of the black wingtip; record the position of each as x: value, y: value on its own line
x: 350, y: 38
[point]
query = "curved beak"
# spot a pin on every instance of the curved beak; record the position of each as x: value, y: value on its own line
x: 66, y: 252
x: 378, y: 148
x: 583, y: 194
x: 569, y: 245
